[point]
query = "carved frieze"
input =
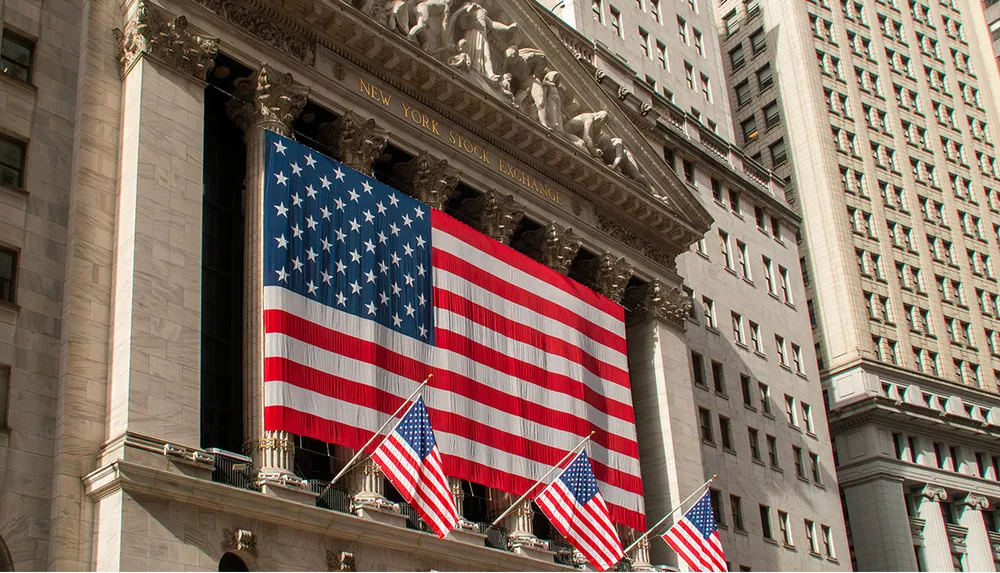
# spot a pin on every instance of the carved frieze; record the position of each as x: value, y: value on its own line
x: 608, y: 275
x: 658, y: 301
x: 429, y: 179
x: 266, y: 96
x: 356, y: 142
x: 553, y: 245
x: 616, y: 231
x: 239, y: 540
x: 148, y: 32
x: 493, y: 215
x: 340, y: 561
x: 263, y: 26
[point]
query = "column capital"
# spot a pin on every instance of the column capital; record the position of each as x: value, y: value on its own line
x: 494, y: 214
x: 429, y: 179
x: 356, y: 142
x: 608, y: 275
x: 657, y: 300
x: 932, y: 493
x: 553, y: 245
x: 148, y: 32
x: 267, y: 96
x: 974, y: 501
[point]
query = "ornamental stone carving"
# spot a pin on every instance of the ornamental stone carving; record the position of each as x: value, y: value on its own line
x: 933, y: 493
x: 300, y: 46
x: 356, y: 142
x: 428, y: 179
x: 975, y: 502
x: 616, y: 231
x: 266, y: 96
x: 172, y: 42
x: 553, y: 245
x: 608, y: 275
x: 340, y: 561
x: 239, y: 540
x: 658, y: 301
x: 493, y: 215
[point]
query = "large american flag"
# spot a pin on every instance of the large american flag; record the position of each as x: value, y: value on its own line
x: 409, y: 457
x: 574, y: 505
x: 695, y: 538
x: 367, y: 291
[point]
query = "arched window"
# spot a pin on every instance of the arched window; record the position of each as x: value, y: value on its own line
x: 232, y: 562
x: 6, y: 563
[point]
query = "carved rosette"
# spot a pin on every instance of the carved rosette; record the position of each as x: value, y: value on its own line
x: 608, y: 275
x: 266, y: 96
x: 340, y: 561
x: 428, y: 179
x: 172, y: 42
x: 933, y: 493
x: 493, y: 215
x: 975, y: 502
x: 553, y: 245
x: 239, y: 540
x: 657, y: 300
x: 356, y: 142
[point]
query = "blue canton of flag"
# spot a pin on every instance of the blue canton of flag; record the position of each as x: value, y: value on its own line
x: 335, y: 236
x: 695, y: 538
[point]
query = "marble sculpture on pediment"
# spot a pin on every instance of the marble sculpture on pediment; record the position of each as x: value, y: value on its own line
x: 463, y: 34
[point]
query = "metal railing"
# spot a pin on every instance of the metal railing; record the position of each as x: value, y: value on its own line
x: 496, y: 537
x: 413, y: 520
x: 233, y: 469
x: 336, y: 498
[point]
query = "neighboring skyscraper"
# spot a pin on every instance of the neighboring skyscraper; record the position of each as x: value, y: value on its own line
x: 882, y: 116
x: 757, y: 392
x: 992, y: 12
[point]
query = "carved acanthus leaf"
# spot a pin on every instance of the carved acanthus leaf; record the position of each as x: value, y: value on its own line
x: 266, y: 96
x: 654, y: 252
x: 239, y: 540
x: 429, y: 179
x: 148, y: 32
x: 656, y: 300
x: 608, y: 275
x: 340, y: 561
x: 494, y: 215
x: 553, y: 245
x: 259, y: 24
x: 356, y: 142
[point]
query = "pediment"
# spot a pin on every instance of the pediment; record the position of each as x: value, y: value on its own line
x: 505, y: 75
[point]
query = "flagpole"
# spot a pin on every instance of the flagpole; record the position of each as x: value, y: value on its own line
x: 547, y: 474
x: 348, y: 465
x: 672, y: 511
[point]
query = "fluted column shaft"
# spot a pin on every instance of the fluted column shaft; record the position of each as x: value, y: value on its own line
x: 979, y: 552
x: 937, y: 549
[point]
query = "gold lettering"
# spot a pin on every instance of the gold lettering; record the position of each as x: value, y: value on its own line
x: 451, y: 137
x: 434, y: 127
x: 406, y: 109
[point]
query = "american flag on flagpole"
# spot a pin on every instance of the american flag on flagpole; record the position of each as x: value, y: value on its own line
x: 409, y: 457
x: 574, y: 505
x: 367, y: 291
x: 695, y: 538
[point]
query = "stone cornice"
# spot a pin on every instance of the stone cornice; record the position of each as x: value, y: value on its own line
x: 890, y: 412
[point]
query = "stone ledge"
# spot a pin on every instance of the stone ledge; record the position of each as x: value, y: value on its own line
x: 133, y: 478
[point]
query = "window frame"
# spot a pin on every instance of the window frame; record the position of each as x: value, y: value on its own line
x: 7, y: 34
x: 20, y: 169
x: 15, y: 260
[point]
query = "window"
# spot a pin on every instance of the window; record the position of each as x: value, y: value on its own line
x: 814, y: 468
x: 4, y: 393
x: 811, y: 537
x: 764, y: 77
x: 706, y: 425
x: 754, y: 444
x: 828, y: 541
x: 689, y: 75
x: 790, y: 412
x: 661, y: 54
x: 755, y: 339
x: 747, y: 393
x: 616, y: 22
x: 743, y: 258
x: 726, y: 250
x: 698, y: 364
x: 736, y: 509
x: 779, y: 343
x: 800, y: 469
x: 743, y: 93
x: 765, y: 398
x: 718, y: 377
x: 8, y: 266
x: 786, y: 528
x: 16, y: 56
x: 709, y: 305
x: 644, y: 42
x: 716, y: 190
x: 682, y: 29
x: 598, y: 11
x: 807, y: 417
x: 706, y: 87
x: 776, y: 229
x: 779, y: 153
x: 797, y: 359
x: 654, y: 9
x: 715, y: 497
x: 749, y: 127
x: 769, y: 276
x: 726, y: 431
x: 772, y: 452
x: 11, y: 162
x: 689, y: 171
x: 699, y: 44
x: 771, y: 115
x: 765, y: 522
x: 757, y: 41
x: 786, y: 285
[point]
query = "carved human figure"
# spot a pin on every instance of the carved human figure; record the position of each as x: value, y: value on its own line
x: 625, y: 162
x: 432, y: 15
x: 585, y: 129
x: 552, y: 84
x: 461, y: 59
x: 524, y: 70
x: 398, y: 17
x: 471, y: 23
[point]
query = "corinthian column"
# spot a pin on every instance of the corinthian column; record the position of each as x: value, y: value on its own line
x: 356, y: 142
x: 979, y: 551
x: 265, y: 101
x: 554, y: 246
x: 608, y: 275
x: 428, y: 179
x: 493, y: 215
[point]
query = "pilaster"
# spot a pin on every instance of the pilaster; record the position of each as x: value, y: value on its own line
x: 266, y: 101
x: 880, y: 525
x: 937, y: 548
x: 979, y: 551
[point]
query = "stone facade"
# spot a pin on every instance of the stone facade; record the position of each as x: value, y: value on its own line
x: 103, y: 457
